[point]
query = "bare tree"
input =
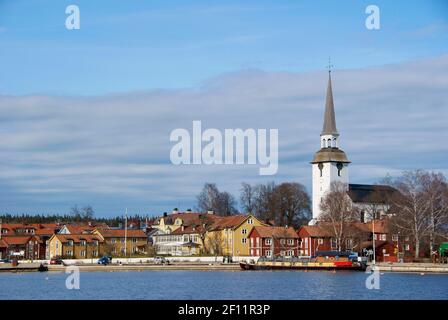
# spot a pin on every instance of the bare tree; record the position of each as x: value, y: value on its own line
x: 215, y: 244
x: 286, y: 204
x: 337, y: 213
x: 247, y: 198
x: 210, y: 198
x: 410, y: 207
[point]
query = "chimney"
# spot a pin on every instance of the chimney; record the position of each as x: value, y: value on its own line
x: 175, y: 211
x: 210, y: 212
x: 188, y: 210
x: 183, y: 228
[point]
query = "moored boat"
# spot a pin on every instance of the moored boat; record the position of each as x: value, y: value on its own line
x: 322, y: 261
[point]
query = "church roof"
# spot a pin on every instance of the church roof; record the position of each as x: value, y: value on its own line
x: 330, y: 155
x: 329, y: 118
x: 368, y: 193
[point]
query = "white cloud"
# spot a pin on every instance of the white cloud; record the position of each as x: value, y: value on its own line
x: 114, y: 149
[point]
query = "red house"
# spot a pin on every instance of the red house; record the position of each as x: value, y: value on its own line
x: 314, y: 238
x: 269, y: 241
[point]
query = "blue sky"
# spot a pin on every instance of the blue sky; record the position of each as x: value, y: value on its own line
x: 85, y: 115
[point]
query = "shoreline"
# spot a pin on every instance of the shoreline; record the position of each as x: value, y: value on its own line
x: 422, y: 268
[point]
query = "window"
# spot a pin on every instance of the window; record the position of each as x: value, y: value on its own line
x: 83, y: 253
x: 383, y: 237
x: 320, y: 241
x: 258, y: 252
x: 290, y: 253
x: 83, y: 242
x: 395, y: 237
x: 251, y: 252
x: 282, y: 253
x: 244, y: 240
x: 320, y: 166
x: 250, y: 221
x: 113, y: 240
x: 244, y: 231
x: 268, y: 253
x: 70, y: 243
x: 291, y: 242
x: 95, y: 242
x: 69, y: 252
x: 339, y: 166
x: 406, y: 247
x: 334, y: 244
x: 251, y: 241
x: 95, y: 253
x: 282, y: 241
x: 134, y: 249
x: 122, y: 240
x: 134, y: 240
x: 268, y: 241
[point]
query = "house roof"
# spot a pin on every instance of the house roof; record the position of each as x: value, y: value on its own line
x: 76, y: 238
x: 79, y: 229
x: 3, y: 244
x: 228, y: 222
x: 16, y: 240
x: 314, y: 231
x: 379, y: 225
x: 275, y: 232
x: 121, y: 233
x: 370, y: 193
x: 188, y: 218
x: 193, y: 229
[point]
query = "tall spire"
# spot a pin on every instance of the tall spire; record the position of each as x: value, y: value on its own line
x: 329, y: 118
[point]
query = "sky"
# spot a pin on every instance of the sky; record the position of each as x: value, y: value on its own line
x: 86, y: 115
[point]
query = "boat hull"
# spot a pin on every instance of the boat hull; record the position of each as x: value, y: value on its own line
x: 301, y: 266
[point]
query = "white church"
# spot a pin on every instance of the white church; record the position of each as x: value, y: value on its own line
x: 330, y: 164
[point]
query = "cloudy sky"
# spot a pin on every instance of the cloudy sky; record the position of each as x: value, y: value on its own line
x: 86, y: 115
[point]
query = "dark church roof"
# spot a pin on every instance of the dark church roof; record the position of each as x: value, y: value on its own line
x: 330, y: 155
x: 371, y: 193
x: 329, y: 118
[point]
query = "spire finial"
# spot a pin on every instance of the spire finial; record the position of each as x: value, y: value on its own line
x: 329, y: 66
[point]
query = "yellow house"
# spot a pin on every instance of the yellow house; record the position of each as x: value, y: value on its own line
x: 120, y: 242
x: 75, y: 246
x: 228, y: 236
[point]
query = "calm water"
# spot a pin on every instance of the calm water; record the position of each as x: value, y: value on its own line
x: 222, y: 285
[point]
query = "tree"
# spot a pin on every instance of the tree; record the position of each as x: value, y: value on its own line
x: 337, y: 213
x: 421, y: 207
x: 247, y: 198
x: 215, y: 244
x: 210, y: 198
x: 286, y: 204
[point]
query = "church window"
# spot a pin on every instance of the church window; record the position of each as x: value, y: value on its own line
x: 329, y: 143
x: 320, y: 166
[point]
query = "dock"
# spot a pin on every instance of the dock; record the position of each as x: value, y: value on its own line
x: 22, y: 267
x: 412, y: 267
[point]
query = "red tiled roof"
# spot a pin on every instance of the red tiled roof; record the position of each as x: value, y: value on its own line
x: 120, y: 233
x: 76, y: 238
x: 380, y: 226
x: 313, y: 231
x: 275, y: 232
x: 189, y: 230
x: 229, y: 222
x: 44, y: 232
x: 16, y: 240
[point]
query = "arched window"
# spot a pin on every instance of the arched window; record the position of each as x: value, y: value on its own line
x: 329, y: 143
x: 339, y: 166
x: 320, y: 166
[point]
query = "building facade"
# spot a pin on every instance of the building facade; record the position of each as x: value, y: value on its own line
x: 268, y: 241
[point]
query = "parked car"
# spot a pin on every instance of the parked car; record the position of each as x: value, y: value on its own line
x: 161, y: 260
x: 56, y: 260
x: 104, y: 260
x: 5, y: 261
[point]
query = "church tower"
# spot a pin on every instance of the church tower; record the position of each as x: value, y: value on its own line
x: 330, y: 164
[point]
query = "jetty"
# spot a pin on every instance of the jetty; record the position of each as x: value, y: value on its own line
x: 22, y: 267
x: 412, y: 267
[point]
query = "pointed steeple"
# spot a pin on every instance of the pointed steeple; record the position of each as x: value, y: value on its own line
x: 329, y: 127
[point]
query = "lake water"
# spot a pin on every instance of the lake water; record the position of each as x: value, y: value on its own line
x: 203, y: 285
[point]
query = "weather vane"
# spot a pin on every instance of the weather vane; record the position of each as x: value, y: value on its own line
x: 329, y: 64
